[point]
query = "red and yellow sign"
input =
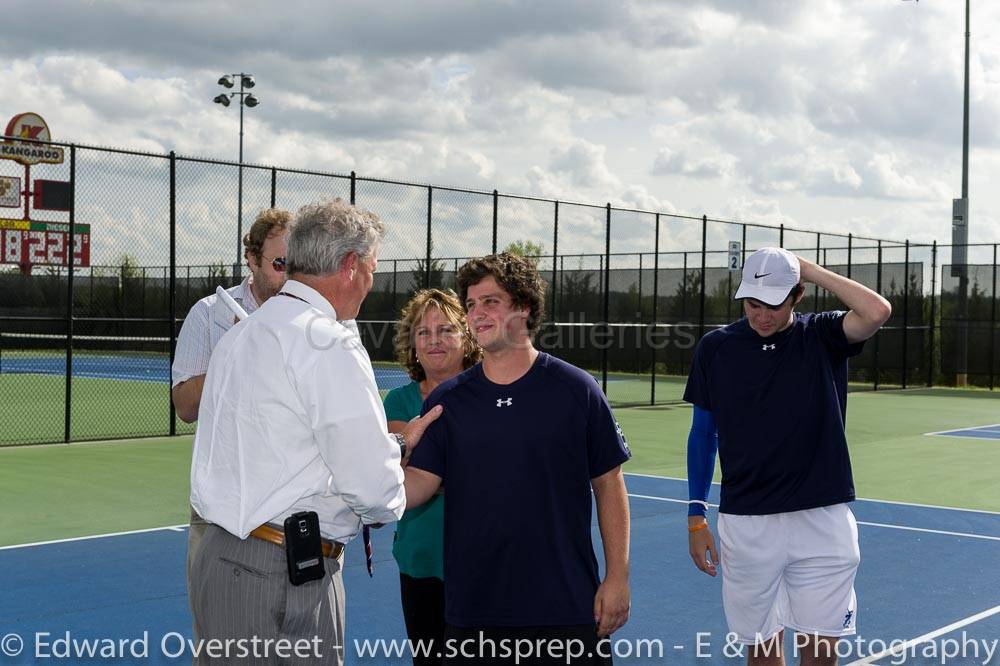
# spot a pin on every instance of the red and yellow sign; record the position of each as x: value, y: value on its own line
x: 30, y: 126
x: 43, y: 243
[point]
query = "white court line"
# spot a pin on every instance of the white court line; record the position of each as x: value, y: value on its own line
x: 859, y: 499
x: 993, y: 434
x: 182, y: 527
x: 176, y: 528
x: 860, y: 522
x: 667, y: 499
x: 903, y: 647
x: 950, y: 430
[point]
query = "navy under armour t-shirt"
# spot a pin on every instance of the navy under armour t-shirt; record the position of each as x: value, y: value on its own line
x: 779, y: 404
x: 517, y: 460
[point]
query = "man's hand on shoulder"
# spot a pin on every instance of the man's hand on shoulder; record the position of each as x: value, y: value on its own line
x: 415, y: 429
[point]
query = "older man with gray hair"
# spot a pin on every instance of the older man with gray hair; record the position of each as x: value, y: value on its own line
x: 291, y: 423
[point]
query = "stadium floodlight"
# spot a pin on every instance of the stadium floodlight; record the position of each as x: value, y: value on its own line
x: 249, y: 100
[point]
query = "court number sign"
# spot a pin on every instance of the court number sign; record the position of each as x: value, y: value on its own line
x: 735, y: 256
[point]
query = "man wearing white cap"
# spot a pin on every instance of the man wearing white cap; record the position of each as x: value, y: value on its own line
x: 770, y: 394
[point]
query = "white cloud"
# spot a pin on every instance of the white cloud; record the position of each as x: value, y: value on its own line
x: 842, y: 114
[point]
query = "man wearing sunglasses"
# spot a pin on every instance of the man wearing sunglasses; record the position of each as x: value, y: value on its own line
x: 264, y: 250
x: 770, y: 394
x: 207, y: 321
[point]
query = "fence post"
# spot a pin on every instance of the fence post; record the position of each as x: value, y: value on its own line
x: 607, y: 298
x: 878, y: 288
x: 701, y: 309
x: 354, y: 183
x: 67, y: 425
x: 394, y: 287
x: 274, y: 183
x: 826, y: 262
x: 930, y: 346
x: 729, y: 294
x: 640, y: 289
x: 495, y: 206
x: 743, y: 246
x: 993, y: 318
x: 656, y: 297
x: 819, y: 242
x: 555, y: 253
x: 781, y: 235
x: 906, y: 308
x: 172, y: 307
x: 850, y: 247
x: 430, y: 241
x: 123, y: 302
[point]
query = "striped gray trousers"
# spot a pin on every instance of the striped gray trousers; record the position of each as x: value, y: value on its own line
x: 240, y: 590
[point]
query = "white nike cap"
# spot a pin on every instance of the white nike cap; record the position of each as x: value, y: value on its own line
x: 769, y: 274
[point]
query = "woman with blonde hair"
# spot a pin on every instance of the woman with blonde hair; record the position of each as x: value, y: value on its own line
x: 434, y: 344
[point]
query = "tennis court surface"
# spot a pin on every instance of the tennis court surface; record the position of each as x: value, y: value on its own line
x: 94, y: 540
x: 131, y: 585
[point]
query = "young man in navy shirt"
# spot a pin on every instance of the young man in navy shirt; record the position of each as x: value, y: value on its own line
x: 523, y: 439
x: 770, y: 392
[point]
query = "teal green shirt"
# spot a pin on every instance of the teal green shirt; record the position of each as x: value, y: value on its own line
x: 418, y: 545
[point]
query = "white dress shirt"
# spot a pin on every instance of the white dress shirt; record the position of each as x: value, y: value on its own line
x: 206, y: 322
x: 291, y: 420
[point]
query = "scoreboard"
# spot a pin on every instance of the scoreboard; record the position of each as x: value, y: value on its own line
x: 43, y: 243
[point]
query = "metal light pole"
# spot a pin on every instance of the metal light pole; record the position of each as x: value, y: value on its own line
x: 250, y: 100
x: 960, y: 237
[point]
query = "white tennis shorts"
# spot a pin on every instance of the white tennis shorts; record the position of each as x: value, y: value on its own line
x: 790, y: 570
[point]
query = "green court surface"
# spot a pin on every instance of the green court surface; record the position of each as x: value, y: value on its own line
x: 60, y: 491
x: 102, y: 408
x: 113, y: 408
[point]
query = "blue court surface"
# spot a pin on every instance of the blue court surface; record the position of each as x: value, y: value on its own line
x: 144, y: 368
x: 976, y: 432
x: 929, y: 584
x: 135, y: 367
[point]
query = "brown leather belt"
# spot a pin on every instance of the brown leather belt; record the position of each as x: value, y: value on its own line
x: 277, y: 537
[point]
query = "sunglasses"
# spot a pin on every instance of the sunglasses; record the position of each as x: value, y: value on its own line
x: 278, y: 264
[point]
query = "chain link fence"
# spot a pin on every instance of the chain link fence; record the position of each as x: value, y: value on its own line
x: 86, y: 348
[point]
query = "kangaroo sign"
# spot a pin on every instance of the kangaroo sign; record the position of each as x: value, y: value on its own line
x: 30, y: 126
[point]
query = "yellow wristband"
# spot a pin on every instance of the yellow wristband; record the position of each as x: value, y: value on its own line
x: 699, y: 526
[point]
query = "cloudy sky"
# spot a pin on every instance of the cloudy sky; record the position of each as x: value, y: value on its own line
x: 835, y: 116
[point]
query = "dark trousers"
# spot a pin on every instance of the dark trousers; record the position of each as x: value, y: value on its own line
x: 509, y: 645
x: 423, y: 612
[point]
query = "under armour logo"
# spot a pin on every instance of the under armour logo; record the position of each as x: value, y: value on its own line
x: 847, y: 619
x: 766, y: 347
x: 505, y: 403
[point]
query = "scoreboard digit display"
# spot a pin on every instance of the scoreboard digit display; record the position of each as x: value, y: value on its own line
x: 43, y: 243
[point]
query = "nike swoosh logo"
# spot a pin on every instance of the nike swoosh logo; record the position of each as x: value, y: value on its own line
x: 757, y: 276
